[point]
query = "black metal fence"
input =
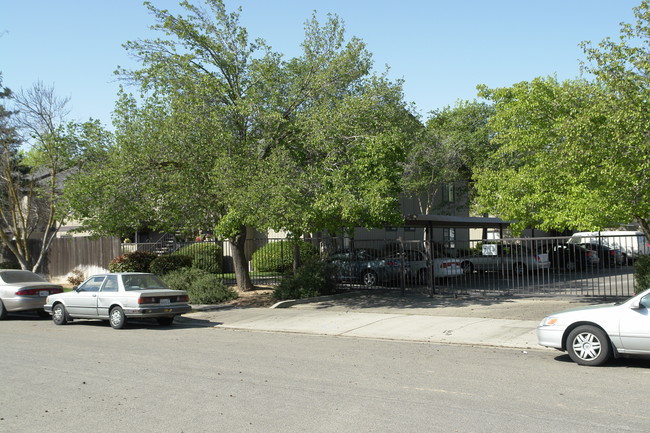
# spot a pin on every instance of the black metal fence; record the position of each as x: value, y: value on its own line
x: 522, y: 266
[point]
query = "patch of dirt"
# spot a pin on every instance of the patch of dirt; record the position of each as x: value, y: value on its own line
x: 260, y: 297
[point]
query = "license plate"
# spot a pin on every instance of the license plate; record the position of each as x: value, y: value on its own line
x: 165, y: 302
x: 44, y: 293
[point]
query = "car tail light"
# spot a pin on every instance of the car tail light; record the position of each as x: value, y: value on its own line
x: 537, y: 258
x: 155, y: 300
x: 37, y: 292
x: 391, y: 262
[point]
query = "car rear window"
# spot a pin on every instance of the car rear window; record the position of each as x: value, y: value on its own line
x: 143, y: 282
x: 11, y: 277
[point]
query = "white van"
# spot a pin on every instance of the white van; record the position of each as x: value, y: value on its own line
x: 631, y: 243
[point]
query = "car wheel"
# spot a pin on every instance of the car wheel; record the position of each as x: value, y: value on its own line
x: 3, y: 311
x: 117, y: 318
x: 369, y: 278
x: 59, y: 315
x: 165, y: 321
x: 570, y: 265
x: 519, y: 269
x: 468, y: 267
x: 588, y: 345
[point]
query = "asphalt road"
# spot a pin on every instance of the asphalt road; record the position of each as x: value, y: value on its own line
x: 87, y: 377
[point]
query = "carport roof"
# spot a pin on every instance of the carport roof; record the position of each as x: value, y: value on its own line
x: 447, y: 221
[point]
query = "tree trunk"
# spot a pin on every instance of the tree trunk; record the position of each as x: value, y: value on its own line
x: 240, y: 263
x: 644, y: 225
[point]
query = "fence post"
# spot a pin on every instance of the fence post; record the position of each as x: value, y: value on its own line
x: 402, y: 275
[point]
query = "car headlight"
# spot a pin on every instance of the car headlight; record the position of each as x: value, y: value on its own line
x: 549, y: 321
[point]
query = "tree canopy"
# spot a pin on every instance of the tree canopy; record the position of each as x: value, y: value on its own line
x: 37, y: 149
x: 447, y: 151
x: 575, y: 154
x: 227, y: 134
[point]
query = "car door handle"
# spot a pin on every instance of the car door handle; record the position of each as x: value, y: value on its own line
x: 94, y: 295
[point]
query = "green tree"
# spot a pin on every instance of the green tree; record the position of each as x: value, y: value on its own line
x: 228, y: 135
x: 543, y: 174
x: 30, y: 198
x: 447, y: 151
x: 575, y: 154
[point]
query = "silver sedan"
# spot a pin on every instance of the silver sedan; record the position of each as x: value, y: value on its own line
x: 24, y: 291
x: 592, y: 335
x: 118, y: 297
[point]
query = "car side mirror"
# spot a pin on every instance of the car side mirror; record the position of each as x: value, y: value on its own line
x: 644, y: 302
x: 640, y: 303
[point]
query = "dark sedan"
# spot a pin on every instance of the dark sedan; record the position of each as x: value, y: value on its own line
x: 368, y: 266
x: 609, y: 256
x: 572, y: 257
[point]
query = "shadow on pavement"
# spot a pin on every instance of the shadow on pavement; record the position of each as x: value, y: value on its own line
x: 515, y: 307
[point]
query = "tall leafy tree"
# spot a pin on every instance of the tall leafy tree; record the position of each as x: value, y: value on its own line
x: 575, y: 154
x: 228, y: 135
x: 31, y: 207
x: 447, y: 151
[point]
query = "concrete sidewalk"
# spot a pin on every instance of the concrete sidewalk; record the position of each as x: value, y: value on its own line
x: 497, y: 321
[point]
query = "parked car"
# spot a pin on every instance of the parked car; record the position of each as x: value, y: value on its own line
x: 517, y: 259
x: 631, y: 243
x: 24, y: 291
x: 609, y: 257
x: 117, y: 298
x: 418, y: 266
x: 368, y: 266
x: 572, y: 257
x: 592, y: 335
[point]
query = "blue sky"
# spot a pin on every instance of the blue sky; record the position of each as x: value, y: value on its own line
x: 441, y: 48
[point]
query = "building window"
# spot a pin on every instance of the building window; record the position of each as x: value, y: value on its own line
x: 448, y: 193
x: 449, y: 237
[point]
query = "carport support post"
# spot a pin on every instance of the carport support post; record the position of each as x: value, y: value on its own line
x: 431, y: 281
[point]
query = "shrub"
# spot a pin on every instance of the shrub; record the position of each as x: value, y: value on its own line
x: 278, y: 256
x: 205, y: 255
x: 315, y: 278
x: 165, y: 264
x: 9, y: 265
x: 76, y: 277
x: 642, y: 274
x: 201, y: 286
x: 137, y: 261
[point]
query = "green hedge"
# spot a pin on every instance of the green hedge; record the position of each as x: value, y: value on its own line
x: 137, y: 261
x: 278, y: 256
x: 315, y: 278
x: 201, y: 286
x: 207, y: 256
x: 165, y: 264
x: 642, y: 274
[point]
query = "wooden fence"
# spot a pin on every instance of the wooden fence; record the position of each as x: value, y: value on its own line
x: 68, y: 253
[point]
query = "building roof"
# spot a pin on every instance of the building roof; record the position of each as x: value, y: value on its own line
x: 454, y: 221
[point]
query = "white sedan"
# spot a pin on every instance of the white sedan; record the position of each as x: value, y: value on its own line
x: 23, y: 291
x: 117, y: 297
x: 592, y: 335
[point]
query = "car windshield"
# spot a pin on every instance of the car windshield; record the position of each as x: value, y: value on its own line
x: 143, y: 282
x: 11, y: 277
